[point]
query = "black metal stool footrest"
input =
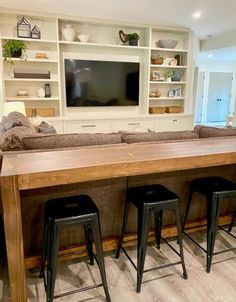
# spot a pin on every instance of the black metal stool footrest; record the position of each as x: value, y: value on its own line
x: 77, y: 291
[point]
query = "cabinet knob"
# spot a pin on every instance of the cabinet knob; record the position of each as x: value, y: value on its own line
x: 175, y: 120
x: 134, y: 124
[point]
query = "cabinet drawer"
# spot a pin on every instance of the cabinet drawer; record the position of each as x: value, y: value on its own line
x: 174, y: 123
x: 87, y: 126
x: 59, y: 126
x: 133, y: 125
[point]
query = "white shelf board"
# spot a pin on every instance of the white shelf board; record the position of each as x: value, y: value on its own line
x: 169, y: 49
x: 31, y: 99
x: 163, y: 82
x: 166, y: 98
x: 31, y: 60
x: 168, y: 66
x: 29, y: 80
x: 29, y: 39
x: 102, y: 45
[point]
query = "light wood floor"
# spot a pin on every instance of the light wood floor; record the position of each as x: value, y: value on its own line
x: 158, y: 286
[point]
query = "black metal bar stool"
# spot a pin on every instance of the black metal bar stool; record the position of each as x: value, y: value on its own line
x: 232, y: 221
x: 214, y: 189
x: 151, y: 198
x: 70, y: 210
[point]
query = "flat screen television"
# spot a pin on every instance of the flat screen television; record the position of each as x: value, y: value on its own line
x: 101, y: 83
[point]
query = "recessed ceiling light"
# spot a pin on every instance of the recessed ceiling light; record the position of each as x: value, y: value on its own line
x: 197, y: 15
x: 210, y: 55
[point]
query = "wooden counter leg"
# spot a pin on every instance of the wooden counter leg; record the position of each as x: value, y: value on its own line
x: 14, y: 238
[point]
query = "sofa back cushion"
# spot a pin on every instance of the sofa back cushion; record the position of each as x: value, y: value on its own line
x: 158, y: 136
x: 12, y: 139
x: 69, y: 140
x: 206, y: 131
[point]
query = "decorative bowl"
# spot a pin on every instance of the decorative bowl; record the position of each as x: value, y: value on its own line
x: 166, y: 43
x: 83, y: 38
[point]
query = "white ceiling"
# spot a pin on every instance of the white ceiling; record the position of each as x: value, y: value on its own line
x: 218, y: 16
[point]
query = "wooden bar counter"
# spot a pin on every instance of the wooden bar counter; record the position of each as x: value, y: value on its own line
x: 30, y: 171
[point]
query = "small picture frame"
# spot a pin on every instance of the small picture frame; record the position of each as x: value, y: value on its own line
x: 156, y: 75
x: 171, y: 93
x: 177, y: 92
x: 23, y: 28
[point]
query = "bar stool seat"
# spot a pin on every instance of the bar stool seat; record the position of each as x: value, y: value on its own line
x: 214, y: 189
x: 70, y: 210
x: 150, y: 198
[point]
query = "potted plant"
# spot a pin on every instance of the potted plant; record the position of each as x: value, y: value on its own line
x: 133, y: 39
x: 169, y: 76
x: 13, y: 49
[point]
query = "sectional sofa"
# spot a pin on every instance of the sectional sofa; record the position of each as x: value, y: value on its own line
x: 18, y: 134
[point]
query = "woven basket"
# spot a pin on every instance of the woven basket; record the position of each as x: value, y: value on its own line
x: 157, y: 110
x: 157, y: 61
x: 44, y: 112
x: 174, y: 109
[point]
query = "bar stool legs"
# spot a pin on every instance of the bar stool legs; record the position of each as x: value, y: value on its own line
x: 232, y: 222
x: 165, y: 200
x: 99, y: 252
x: 143, y: 227
x: 67, y: 211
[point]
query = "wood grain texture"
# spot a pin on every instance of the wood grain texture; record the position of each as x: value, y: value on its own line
x: 14, y: 237
x: 45, y: 169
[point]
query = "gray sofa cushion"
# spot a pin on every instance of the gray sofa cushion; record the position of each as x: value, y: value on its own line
x: 17, y: 119
x: 206, y: 131
x: 158, y: 136
x: 45, y: 128
x: 2, y: 125
x: 11, y: 140
x: 69, y: 140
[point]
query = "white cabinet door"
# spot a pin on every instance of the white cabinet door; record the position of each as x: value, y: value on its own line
x: 174, y: 123
x: 133, y: 125
x: 87, y: 126
x: 59, y: 126
x: 219, y: 96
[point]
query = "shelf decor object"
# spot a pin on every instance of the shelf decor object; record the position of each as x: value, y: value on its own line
x: 157, y: 110
x: 35, y: 33
x: 174, y: 109
x: 27, y: 75
x: 47, y: 91
x: 13, y: 49
x: 23, y: 28
x: 68, y: 32
x: 131, y: 38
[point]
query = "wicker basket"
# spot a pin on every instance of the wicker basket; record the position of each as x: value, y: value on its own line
x: 157, y: 110
x: 157, y: 61
x: 44, y: 112
x: 174, y: 109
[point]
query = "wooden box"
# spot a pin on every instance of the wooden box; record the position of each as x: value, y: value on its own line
x: 157, y: 110
x: 174, y: 109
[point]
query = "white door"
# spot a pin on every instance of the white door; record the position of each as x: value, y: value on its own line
x: 199, y: 97
x: 219, y: 95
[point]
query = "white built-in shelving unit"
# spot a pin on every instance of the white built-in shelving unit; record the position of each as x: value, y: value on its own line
x: 104, y: 43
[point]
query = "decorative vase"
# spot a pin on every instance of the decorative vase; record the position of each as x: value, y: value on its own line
x: 47, y: 91
x: 68, y: 32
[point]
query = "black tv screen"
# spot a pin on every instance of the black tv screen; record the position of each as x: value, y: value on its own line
x: 101, y: 83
